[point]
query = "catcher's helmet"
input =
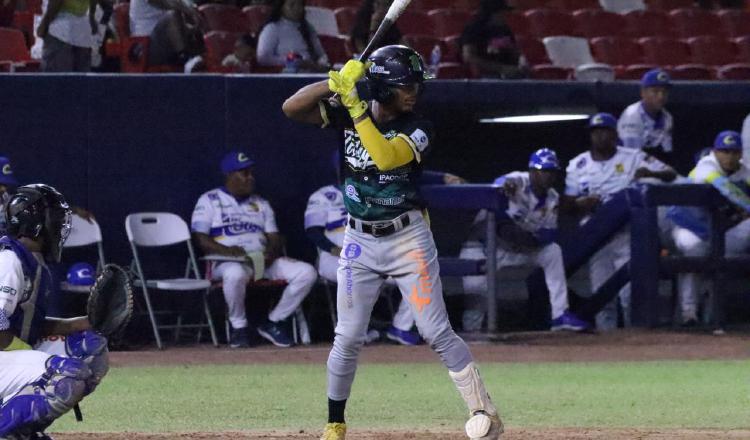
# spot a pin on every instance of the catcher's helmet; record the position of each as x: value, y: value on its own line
x: 544, y: 159
x: 394, y: 66
x: 36, y: 211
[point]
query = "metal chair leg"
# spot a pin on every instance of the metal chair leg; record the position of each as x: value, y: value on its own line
x: 152, y: 316
x: 210, y: 320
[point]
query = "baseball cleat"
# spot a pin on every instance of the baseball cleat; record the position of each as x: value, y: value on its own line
x: 274, y: 334
x: 403, y: 337
x: 334, y: 431
x: 483, y: 426
x: 569, y: 321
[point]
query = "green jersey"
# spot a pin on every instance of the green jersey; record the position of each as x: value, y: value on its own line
x: 369, y: 193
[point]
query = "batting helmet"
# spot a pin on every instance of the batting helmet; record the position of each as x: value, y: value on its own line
x: 544, y: 159
x: 394, y: 66
x: 36, y: 211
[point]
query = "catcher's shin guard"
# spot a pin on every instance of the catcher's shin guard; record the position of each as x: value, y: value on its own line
x: 484, y: 423
x: 334, y: 431
x: 39, y: 403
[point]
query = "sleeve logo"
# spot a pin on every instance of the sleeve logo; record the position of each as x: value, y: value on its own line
x: 420, y: 139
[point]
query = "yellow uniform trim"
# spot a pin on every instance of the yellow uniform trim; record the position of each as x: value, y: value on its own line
x: 17, y: 344
x: 387, y: 154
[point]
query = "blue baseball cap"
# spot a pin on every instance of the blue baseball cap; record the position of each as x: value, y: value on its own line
x: 656, y: 78
x: 6, y: 173
x: 234, y: 161
x: 603, y: 120
x: 728, y: 140
x: 544, y: 159
x: 81, y: 274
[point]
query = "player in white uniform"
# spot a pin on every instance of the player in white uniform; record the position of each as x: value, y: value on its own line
x: 234, y: 221
x: 592, y: 178
x: 646, y: 124
x: 69, y: 360
x: 527, y: 237
x: 723, y: 168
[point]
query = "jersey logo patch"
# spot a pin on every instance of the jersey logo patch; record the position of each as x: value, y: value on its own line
x: 352, y: 251
x: 620, y: 168
x: 351, y: 192
x: 8, y: 290
x: 420, y: 139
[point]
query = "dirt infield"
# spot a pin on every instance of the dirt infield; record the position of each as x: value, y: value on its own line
x: 510, y: 434
x: 632, y: 345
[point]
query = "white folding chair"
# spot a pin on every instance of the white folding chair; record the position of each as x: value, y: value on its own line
x: 622, y: 6
x: 84, y: 233
x: 323, y: 20
x: 157, y: 229
x: 575, y: 53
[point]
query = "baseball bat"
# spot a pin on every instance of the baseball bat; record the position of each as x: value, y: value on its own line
x: 397, y: 8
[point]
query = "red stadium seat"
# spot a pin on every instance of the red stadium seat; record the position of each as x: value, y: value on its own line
x: 692, y: 72
x: 735, y: 22
x: 711, y: 50
x: 691, y: 22
x: 345, y: 18
x: 664, y: 50
x: 533, y: 50
x: 517, y: 22
x: 665, y: 5
x: 466, y: 5
x: 336, y: 48
x: 6, y: 66
x: 452, y: 71
x: 219, y: 44
x: 570, y: 5
x: 634, y: 71
x: 592, y: 23
x: 548, y: 71
x: 616, y: 50
x: 647, y: 24
x: 34, y: 6
x: 530, y: 4
x: 24, y: 21
x: 451, y: 49
x: 423, y: 44
x: 13, y: 46
x: 414, y: 22
x: 447, y: 22
x: 256, y: 16
x: 428, y: 5
x: 549, y: 22
x: 224, y: 18
x: 742, y: 44
x: 121, y: 20
x: 736, y: 72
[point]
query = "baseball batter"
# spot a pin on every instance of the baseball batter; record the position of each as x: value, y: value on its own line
x: 234, y: 221
x: 526, y: 237
x: 724, y: 169
x: 591, y: 178
x: 387, y: 232
x: 69, y: 360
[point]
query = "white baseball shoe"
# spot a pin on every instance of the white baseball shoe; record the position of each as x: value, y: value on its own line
x: 483, y: 426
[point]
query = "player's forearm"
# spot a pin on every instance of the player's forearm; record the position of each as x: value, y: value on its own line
x: 387, y: 154
x: 210, y: 246
x: 316, y: 234
x: 303, y: 106
x: 665, y: 175
x: 53, y: 8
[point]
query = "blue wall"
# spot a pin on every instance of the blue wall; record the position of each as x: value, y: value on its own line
x: 118, y: 144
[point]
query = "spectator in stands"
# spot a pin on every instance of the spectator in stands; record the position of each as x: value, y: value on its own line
x: 592, y: 179
x: 233, y: 221
x: 488, y: 45
x: 723, y: 168
x: 525, y: 236
x: 288, y: 39
x: 242, y: 60
x: 66, y: 29
x: 366, y: 22
x: 646, y: 124
x: 173, y: 27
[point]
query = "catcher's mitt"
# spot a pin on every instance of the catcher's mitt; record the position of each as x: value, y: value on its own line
x: 110, y: 304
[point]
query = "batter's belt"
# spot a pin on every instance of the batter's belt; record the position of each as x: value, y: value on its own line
x: 381, y: 228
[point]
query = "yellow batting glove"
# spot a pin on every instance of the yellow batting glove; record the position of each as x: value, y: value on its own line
x: 354, y: 70
x: 347, y: 91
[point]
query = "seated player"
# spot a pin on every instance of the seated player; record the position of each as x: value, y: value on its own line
x: 527, y: 236
x: 39, y: 385
x: 234, y: 221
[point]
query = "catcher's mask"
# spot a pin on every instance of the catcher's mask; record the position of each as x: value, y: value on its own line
x: 394, y: 66
x: 39, y: 211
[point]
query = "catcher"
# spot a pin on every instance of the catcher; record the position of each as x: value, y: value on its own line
x: 69, y: 358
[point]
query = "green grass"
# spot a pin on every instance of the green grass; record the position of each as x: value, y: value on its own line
x: 695, y: 394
